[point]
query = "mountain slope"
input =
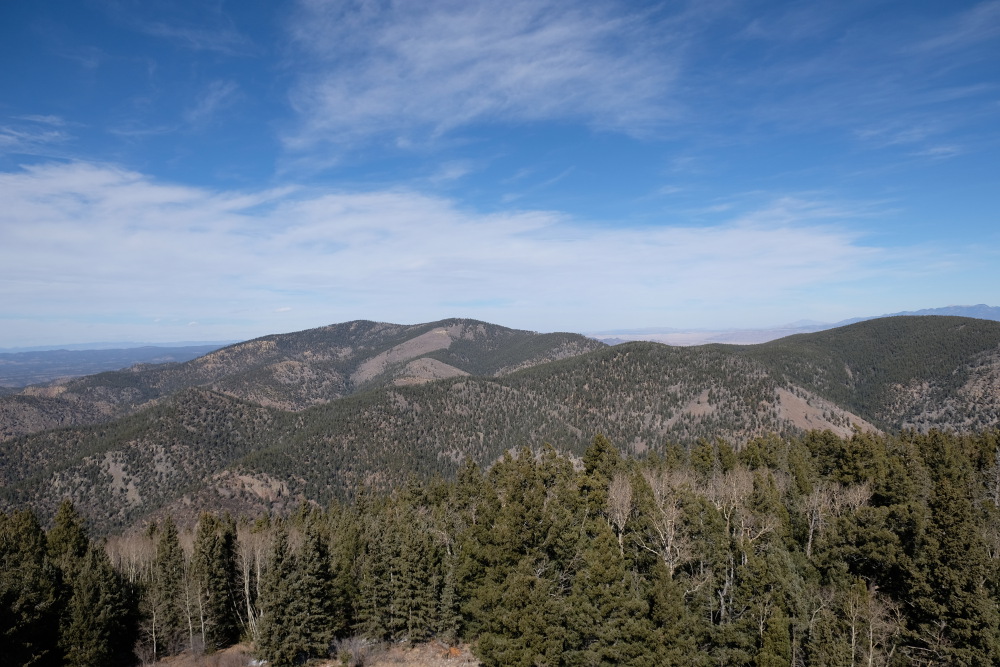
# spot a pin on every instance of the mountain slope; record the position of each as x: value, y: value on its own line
x: 898, y: 372
x: 297, y: 370
x: 127, y: 468
x: 203, y: 447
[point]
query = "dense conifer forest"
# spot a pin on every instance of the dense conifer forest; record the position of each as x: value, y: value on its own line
x: 808, y: 550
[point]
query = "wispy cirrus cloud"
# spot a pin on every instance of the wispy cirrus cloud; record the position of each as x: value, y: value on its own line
x: 47, y: 119
x: 33, y: 135
x: 884, y: 79
x: 405, y: 73
x: 215, y: 97
x: 222, y: 39
x: 94, y: 241
x: 976, y: 24
x: 200, y: 26
x: 396, y: 68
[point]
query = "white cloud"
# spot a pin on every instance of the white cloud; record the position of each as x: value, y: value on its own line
x: 92, y: 242
x: 428, y: 67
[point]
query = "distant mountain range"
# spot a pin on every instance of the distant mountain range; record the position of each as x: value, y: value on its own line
x: 119, y: 345
x: 322, y: 413
x: 670, y: 336
x: 20, y: 369
x: 294, y: 371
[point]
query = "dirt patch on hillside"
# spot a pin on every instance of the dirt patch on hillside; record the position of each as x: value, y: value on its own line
x: 261, y: 485
x: 699, y: 407
x: 121, y: 483
x: 423, y: 370
x: 811, y: 412
x: 437, y: 339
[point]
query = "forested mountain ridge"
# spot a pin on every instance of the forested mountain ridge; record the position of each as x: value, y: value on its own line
x: 202, y: 447
x: 297, y: 370
x: 899, y: 372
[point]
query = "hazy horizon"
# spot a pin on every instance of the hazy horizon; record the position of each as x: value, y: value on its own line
x: 660, y: 334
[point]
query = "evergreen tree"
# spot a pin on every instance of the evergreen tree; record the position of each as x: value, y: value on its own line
x: 776, y: 644
x: 68, y: 540
x: 600, y: 462
x: 29, y: 605
x: 528, y: 624
x: 297, y: 616
x: 163, y: 607
x: 312, y: 610
x: 95, y: 630
x: 954, y: 561
x: 274, y: 643
x: 607, y: 618
x: 344, y: 547
x: 376, y: 573
x: 214, y: 570
x: 674, y: 632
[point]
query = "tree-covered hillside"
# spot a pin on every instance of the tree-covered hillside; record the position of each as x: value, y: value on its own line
x: 202, y: 446
x: 813, y: 550
x: 896, y: 371
x: 295, y: 371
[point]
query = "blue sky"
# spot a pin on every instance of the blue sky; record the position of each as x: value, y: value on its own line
x: 223, y: 170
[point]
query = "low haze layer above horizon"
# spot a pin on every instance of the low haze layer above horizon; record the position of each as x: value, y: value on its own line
x: 666, y: 335
x: 222, y: 171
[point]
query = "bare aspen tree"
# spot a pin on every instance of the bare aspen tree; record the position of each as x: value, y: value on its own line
x: 671, y: 540
x: 831, y: 499
x: 854, y: 611
x: 192, y: 594
x: 873, y: 623
x: 991, y: 539
x: 818, y: 506
x: 132, y: 555
x: 850, y: 498
x: 251, y: 550
x: 728, y: 492
x: 620, y: 505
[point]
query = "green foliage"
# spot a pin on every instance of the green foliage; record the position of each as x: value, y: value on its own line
x: 274, y: 641
x: 822, y: 550
x: 164, y: 598
x: 29, y: 605
x: 95, y: 630
x: 68, y: 540
x: 61, y: 601
x: 213, y: 569
x: 297, y: 601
